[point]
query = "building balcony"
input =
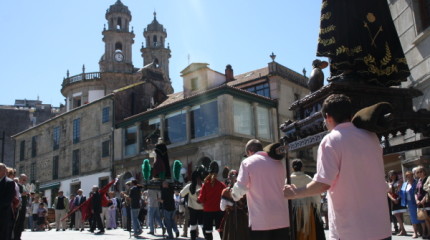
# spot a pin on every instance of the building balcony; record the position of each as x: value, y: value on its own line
x: 80, y: 78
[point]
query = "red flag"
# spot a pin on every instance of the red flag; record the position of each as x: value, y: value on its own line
x: 86, y: 206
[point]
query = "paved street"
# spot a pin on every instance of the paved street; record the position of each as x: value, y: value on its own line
x: 121, y: 234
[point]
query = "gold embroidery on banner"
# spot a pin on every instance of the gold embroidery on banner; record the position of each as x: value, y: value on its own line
x: 401, y: 60
x: 325, y: 16
x: 371, y: 17
x: 387, y: 57
x: 370, y: 61
x: 327, y: 29
x: 327, y: 42
x: 324, y: 5
x: 348, y: 51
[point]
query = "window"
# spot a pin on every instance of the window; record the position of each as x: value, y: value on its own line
x: 175, y: 127
x: 33, y: 173
x: 118, y: 46
x: 118, y: 24
x: 56, y: 138
x: 21, y: 170
x: 34, y: 146
x: 105, y: 115
x: 150, y: 133
x: 242, y: 114
x: 105, y: 148
x: 424, y: 6
x: 130, y: 141
x: 204, y: 119
x: 77, y: 102
x: 194, y: 84
x: 263, y: 122
x: 76, y: 130
x: 75, y: 162
x: 262, y: 89
x: 55, y: 168
x: 22, y: 150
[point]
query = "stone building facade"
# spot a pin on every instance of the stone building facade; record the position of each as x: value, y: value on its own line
x: 18, y: 117
x: 213, y: 117
x: 68, y: 147
x: 412, y: 21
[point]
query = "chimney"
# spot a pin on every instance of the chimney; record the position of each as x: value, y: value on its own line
x: 229, y: 73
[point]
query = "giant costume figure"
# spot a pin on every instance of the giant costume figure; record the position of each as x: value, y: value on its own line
x: 361, y: 42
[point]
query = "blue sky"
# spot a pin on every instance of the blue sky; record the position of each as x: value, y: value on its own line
x: 41, y: 40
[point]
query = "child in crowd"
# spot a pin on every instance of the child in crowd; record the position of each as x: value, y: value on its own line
x: 41, y: 217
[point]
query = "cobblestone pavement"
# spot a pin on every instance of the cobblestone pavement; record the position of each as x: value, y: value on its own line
x: 121, y: 234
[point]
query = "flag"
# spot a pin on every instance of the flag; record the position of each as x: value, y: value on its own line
x: 87, y: 206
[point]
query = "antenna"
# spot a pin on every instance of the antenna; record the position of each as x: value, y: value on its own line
x: 189, y: 59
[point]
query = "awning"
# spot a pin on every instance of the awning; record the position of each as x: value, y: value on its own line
x: 49, y: 185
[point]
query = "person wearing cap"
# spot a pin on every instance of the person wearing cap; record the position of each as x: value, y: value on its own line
x: 305, y: 211
x: 210, y: 197
x: 61, y: 206
x: 261, y: 177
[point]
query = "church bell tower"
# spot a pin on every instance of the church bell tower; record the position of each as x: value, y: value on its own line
x: 118, y: 40
x: 155, y: 51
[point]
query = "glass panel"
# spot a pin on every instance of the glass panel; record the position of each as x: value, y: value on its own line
x: 76, y: 130
x: 150, y: 133
x: 105, y: 115
x: 56, y: 138
x: 242, y: 113
x: 175, y: 127
x: 130, y: 141
x: 263, y: 122
x: 204, y: 120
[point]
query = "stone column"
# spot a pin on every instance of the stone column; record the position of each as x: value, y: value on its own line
x: 255, y: 120
x: 225, y: 115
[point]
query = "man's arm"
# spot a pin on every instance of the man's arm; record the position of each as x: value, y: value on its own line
x: 311, y: 189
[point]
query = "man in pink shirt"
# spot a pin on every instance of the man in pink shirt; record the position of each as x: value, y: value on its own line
x: 262, y: 179
x: 350, y: 168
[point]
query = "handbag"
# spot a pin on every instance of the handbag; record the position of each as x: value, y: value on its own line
x: 421, y: 213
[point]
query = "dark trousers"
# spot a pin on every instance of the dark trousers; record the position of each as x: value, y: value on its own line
x: 275, y: 234
x: 97, y: 222
x: 196, y: 217
x: 5, y: 223
x: 19, y: 227
x: 208, y: 221
x: 72, y: 220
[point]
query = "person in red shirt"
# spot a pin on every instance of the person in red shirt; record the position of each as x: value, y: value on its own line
x: 210, y: 197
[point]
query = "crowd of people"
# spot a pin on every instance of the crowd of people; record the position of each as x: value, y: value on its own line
x: 249, y: 203
x: 410, y: 195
